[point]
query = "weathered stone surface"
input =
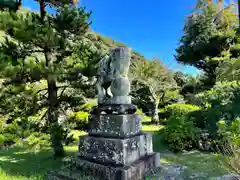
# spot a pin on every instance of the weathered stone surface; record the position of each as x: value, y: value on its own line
x: 115, y: 151
x: 120, y: 126
x: 133, y: 172
x: 119, y: 100
x: 95, y: 171
x: 114, y: 109
x: 112, y: 76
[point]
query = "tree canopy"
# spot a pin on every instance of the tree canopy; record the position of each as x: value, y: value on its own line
x: 156, y: 78
x: 209, y: 34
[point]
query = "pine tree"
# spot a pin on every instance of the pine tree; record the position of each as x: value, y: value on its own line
x: 40, y: 46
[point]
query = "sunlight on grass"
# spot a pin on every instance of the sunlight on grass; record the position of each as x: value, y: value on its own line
x: 22, y: 164
x: 197, y: 162
x: 21, y: 152
x: 71, y: 149
x: 145, y: 118
x: 151, y: 128
x: 163, y: 160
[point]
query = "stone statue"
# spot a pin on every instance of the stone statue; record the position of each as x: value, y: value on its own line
x: 113, y: 85
x: 115, y: 147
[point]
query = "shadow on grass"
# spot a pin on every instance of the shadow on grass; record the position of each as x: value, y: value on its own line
x: 158, y: 141
x: 196, y: 162
x: 21, y: 162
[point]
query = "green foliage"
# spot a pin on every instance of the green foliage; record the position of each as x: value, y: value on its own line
x: 170, y: 97
x: 180, y: 133
x: 154, y: 78
x: 209, y: 34
x: 139, y: 111
x: 221, y: 102
x: 180, y: 78
x: 32, y: 50
x: 2, y: 139
x: 13, y: 128
x: 11, y: 5
x: 87, y: 107
x: 9, y: 139
x: 79, y: 120
x: 229, y: 140
x: 229, y: 70
x: 180, y: 109
x: 154, y: 75
x: 53, y: 48
x: 230, y: 132
x: 35, y: 141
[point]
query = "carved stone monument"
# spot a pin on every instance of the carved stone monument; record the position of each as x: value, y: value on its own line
x: 115, y: 148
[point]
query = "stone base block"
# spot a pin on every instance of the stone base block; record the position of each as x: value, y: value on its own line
x: 115, y: 151
x: 116, y: 126
x: 135, y: 171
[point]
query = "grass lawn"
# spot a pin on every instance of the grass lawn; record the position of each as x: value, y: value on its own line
x: 197, y: 162
x: 23, y: 164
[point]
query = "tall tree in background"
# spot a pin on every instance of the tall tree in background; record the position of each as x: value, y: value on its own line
x: 209, y: 33
x: 239, y: 13
x: 39, y: 45
x: 12, y: 5
x: 230, y: 70
x: 156, y: 78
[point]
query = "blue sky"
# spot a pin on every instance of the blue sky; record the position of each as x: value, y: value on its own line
x: 151, y: 27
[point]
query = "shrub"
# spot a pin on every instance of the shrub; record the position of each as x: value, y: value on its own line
x: 230, y: 133
x: 9, y: 139
x: 13, y: 128
x: 79, y: 119
x: 2, y: 124
x: 180, y: 109
x: 180, y: 133
x: 35, y: 141
x: 2, y: 139
x: 139, y: 112
x: 221, y: 102
x: 162, y: 114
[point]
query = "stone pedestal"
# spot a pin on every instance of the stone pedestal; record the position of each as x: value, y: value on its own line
x: 119, y: 152
x: 135, y: 171
x: 115, y: 148
x: 115, y: 126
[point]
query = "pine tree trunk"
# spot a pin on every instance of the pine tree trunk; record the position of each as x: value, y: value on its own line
x: 155, y: 117
x: 55, y: 128
x: 42, y: 10
x: 52, y: 114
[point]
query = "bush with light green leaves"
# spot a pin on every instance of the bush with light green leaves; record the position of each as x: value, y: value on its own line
x: 79, y: 120
x: 178, y: 109
x: 181, y: 134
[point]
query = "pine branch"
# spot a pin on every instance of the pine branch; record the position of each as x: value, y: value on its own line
x: 40, y: 91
